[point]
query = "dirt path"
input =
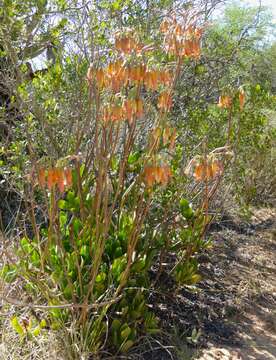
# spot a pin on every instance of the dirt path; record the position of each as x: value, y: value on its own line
x: 245, y: 263
x: 233, y: 310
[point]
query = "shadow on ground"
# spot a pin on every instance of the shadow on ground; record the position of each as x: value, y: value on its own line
x: 234, y: 307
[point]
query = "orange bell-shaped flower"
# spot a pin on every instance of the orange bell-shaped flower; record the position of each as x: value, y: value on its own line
x: 165, y: 101
x: 225, y: 102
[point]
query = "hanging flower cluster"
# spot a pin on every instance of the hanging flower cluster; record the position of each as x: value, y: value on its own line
x: 181, y: 40
x: 207, y: 170
x: 117, y: 75
x: 157, y: 175
x: 114, y: 76
x: 126, y: 42
x: 154, y: 78
x: 204, y: 169
x: 129, y: 110
x: 165, y: 101
x: 60, y: 177
x: 225, y: 102
x: 167, y: 135
x: 241, y: 98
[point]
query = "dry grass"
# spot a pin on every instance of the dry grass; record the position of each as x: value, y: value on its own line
x: 43, y: 347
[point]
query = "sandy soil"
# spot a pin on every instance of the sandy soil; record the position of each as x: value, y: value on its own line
x: 233, y: 309
x: 248, y: 255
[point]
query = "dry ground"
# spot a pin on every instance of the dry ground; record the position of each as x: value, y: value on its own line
x: 234, y: 307
x: 248, y: 256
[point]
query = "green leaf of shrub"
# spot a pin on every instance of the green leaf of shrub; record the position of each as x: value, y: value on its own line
x: 126, y: 346
x: 16, y: 326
